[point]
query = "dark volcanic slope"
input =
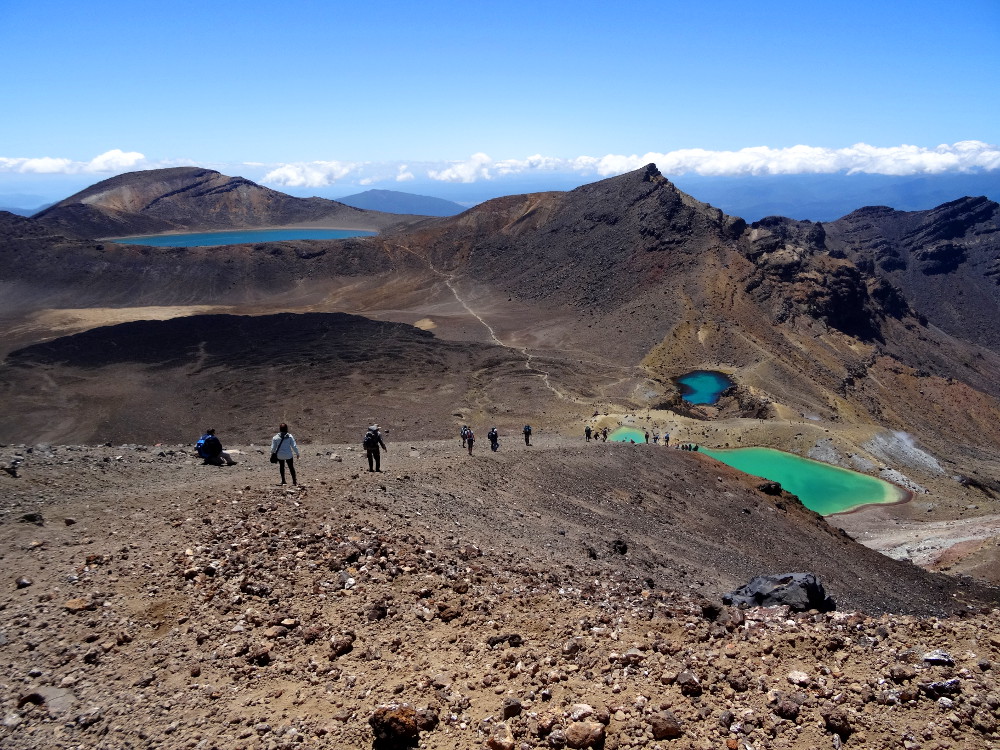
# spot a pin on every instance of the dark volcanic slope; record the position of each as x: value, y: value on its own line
x: 599, y: 244
x: 946, y: 261
x: 332, y: 374
x: 190, y: 198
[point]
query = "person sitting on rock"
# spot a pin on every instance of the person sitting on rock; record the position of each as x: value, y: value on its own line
x: 210, y: 448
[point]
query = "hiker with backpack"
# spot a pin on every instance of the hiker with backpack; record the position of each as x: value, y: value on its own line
x: 494, y: 438
x: 283, y: 447
x: 527, y: 434
x: 470, y: 438
x: 209, y: 447
x: 586, y: 432
x: 464, y: 434
x: 371, y: 442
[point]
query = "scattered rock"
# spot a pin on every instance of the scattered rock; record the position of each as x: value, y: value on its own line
x: 395, y: 725
x: 665, y: 726
x: 940, y: 658
x: 501, y: 738
x: 582, y: 734
x: 799, y: 591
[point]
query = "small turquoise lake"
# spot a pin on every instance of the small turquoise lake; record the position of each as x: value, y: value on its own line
x: 627, y: 434
x: 821, y: 487
x: 240, y: 237
x: 703, y: 387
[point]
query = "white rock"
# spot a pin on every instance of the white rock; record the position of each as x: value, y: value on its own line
x: 797, y: 677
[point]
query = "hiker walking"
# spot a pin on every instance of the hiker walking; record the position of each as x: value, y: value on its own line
x: 604, y: 435
x: 656, y: 437
x: 647, y: 437
x: 371, y: 442
x: 470, y: 438
x: 527, y: 434
x: 587, y: 431
x: 209, y: 447
x: 282, y: 448
x: 494, y: 439
x: 464, y: 434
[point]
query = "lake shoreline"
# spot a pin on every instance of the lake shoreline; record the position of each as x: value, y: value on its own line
x: 901, y: 494
x: 283, y: 227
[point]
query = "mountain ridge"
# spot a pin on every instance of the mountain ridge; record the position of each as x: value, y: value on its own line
x: 192, y: 198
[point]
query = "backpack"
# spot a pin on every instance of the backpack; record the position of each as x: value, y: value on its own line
x: 370, y: 441
x: 527, y: 429
x: 200, y: 445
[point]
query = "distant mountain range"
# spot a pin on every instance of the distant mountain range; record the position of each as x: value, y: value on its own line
x: 395, y: 202
x: 825, y: 197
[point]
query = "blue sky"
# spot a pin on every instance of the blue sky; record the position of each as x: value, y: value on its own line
x: 310, y: 96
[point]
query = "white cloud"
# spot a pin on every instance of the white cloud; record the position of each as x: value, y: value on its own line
x: 476, y: 168
x: 310, y: 174
x: 48, y: 165
x: 962, y: 156
x: 534, y: 163
x: 115, y: 161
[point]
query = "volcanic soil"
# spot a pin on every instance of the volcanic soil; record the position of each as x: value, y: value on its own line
x: 562, y: 594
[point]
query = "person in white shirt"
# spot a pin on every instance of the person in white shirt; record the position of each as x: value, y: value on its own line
x: 282, y: 448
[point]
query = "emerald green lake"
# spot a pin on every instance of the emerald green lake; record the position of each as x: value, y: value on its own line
x: 626, y: 434
x: 821, y: 487
x: 240, y: 237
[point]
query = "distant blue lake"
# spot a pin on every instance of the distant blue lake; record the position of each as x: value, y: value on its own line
x: 240, y: 237
x: 703, y: 386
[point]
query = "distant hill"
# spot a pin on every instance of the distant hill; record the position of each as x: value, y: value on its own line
x: 195, y: 199
x: 395, y: 202
x: 825, y: 197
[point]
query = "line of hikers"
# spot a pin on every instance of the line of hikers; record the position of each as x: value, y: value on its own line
x: 284, y: 449
x: 602, y: 435
x: 469, y: 437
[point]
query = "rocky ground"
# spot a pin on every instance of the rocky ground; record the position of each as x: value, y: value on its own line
x: 562, y: 595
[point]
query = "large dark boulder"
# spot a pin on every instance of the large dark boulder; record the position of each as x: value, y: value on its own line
x: 800, y: 591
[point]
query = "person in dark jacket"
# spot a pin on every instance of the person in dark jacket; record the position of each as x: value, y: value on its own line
x: 210, y: 448
x: 494, y: 438
x: 527, y: 434
x: 373, y: 439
